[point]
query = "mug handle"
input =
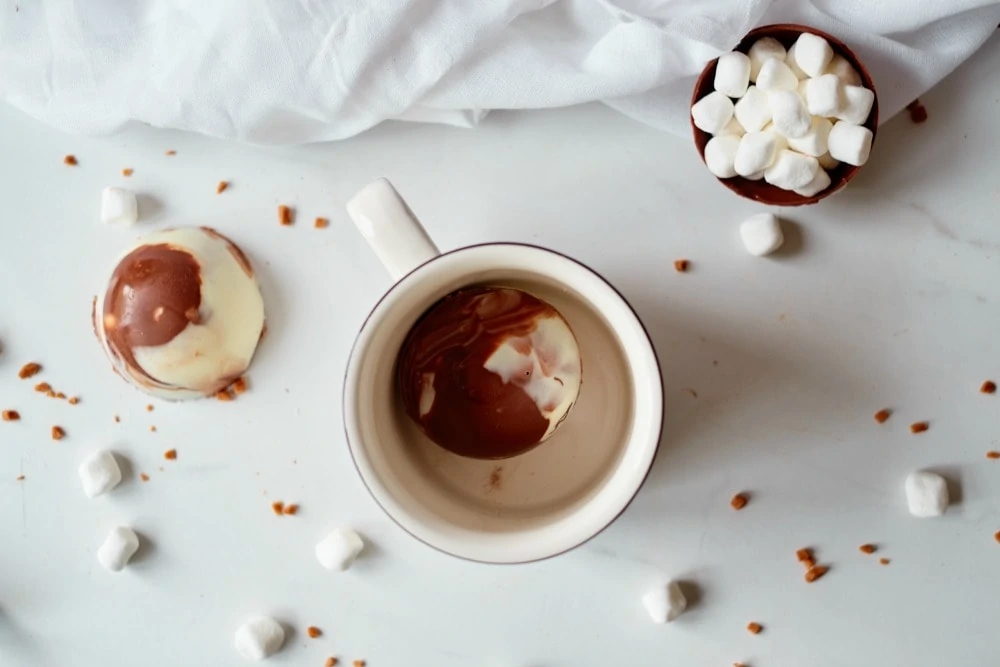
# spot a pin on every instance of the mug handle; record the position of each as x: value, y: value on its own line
x: 390, y: 228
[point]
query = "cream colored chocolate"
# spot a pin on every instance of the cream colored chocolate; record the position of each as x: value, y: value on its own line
x: 182, y: 314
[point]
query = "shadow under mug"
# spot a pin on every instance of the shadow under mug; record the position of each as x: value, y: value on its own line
x: 535, y: 505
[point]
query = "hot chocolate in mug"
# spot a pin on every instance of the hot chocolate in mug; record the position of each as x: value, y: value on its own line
x: 549, y: 499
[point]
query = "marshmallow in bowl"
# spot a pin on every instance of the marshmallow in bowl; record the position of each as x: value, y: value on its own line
x: 720, y: 154
x: 118, y: 548
x: 752, y: 111
x: 182, y: 314
x: 665, y: 604
x: 822, y: 95
x: 814, y: 141
x: 712, y: 113
x: 764, y: 49
x: 850, y: 143
x: 119, y: 206
x: 732, y: 74
x: 857, y: 104
x: 812, y: 54
x: 259, y: 638
x: 756, y: 152
x: 776, y: 75
x: 843, y: 70
x: 339, y: 549
x: 821, y: 181
x: 788, y: 113
x: 99, y: 473
x: 791, y: 170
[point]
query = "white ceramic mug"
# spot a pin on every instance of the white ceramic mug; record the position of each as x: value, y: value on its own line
x: 549, y: 499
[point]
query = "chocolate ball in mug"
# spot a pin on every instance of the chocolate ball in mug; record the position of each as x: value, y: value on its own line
x: 182, y: 313
x: 489, y: 372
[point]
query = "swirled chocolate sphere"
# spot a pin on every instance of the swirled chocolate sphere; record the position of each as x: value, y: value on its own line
x: 182, y: 313
x: 489, y: 372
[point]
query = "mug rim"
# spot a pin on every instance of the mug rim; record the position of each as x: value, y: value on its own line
x: 661, y: 416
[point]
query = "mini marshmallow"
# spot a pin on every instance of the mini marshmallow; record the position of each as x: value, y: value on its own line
x: 99, y: 473
x: 259, y: 638
x: 119, y: 206
x: 840, y: 68
x: 822, y: 95
x: 732, y: 74
x: 788, y: 113
x: 791, y: 170
x: 756, y: 176
x: 339, y: 549
x: 763, y: 50
x: 755, y: 153
x: 826, y: 161
x: 926, y: 494
x: 761, y: 234
x: 752, y: 111
x: 712, y: 112
x: 820, y: 182
x: 850, y: 143
x: 665, y: 604
x: 792, y: 65
x: 776, y: 75
x: 733, y: 127
x: 720, y: 155
x: 812, y: 53
x: 119, y: 546
x: 813, y: 142
x: 856, y: 104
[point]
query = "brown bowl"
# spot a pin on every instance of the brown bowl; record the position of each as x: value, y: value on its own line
x: 761, y: 191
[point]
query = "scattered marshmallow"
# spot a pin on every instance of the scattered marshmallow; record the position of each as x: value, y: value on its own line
x: 666, y: 603
x: 850, y: 143
x: 732, y: 74
x: 776, y: 75
x: 813, y: 142
x: 720, y: 155
x: 756, y: 152
x: 733, y: 127
x: 791, y: 170
x: 119, y: 546
x: 841, y: 69
x: 259, y: 638
x: 926, y: 494
x: 752, y: 111
x: 339, y: 549
x: 812, y: 53
x: 822, y: 95
x: 119, y: 206
x: 788, y: 113
x: 821, y: 181
x: 856, y: 105
x: 826, y: 160
x: 761, y: 233
x: 763, y: 50
x: 712, y: 113
x: 794, y: 66
x: 99, y: 473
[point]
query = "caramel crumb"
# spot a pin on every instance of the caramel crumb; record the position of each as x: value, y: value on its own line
x: 58, y: 433
x: 803, y: 554
x: 240, y: 385
x: 815, y: 572
x: 284, y: 215
x: 882, y: 415
x: 10, y: 415
x: 149, y: 407
x: 170, y: 454
x: 144, y: 477
x: 127, y: 171
x: 117, y: 419
x: 330, y: 662
x: 50, y: 393
x: 220, y: 187
x: 681, y: 265
x: 313, y: 632
x: 919, y: 427
x: 996, y: 536
x: 867, y: 548
x: 29, y: 370
x: 278, y: 507
x: 60, y: 395
x: 989, y: 387
x: 152, y: 429
x: 20, y: 478
x: 809, y: 562
x: 223, y: 395
x: 73, y: 400
x: 70, y: 160
x: 739, y: 501
x: 918, y: 113
x: 754, y: 628
x: 43, y: 387
x: 171, y: 152
x: 291, y: 509
x: 993, y: 455
x: 359, y: 663
x: 883, y: 561
x: 321, y: 223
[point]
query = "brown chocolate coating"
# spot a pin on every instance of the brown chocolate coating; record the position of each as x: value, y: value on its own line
x: 474, y: 413
x: 154, y: 293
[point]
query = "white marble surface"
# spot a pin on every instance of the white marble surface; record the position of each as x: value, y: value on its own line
x: 887, y: 295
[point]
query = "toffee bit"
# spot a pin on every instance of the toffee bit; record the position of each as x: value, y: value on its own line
x: 29, y: 370
x: 43, y: 387
x: 883, y: 561
x: 171, y: 152
x: 754, y: 628
x: 330, y: 662
x: 313, y: 632
x: 321, y: 223
x: 919, y: 427
x: 867, y: 548
x: 170, y: 454
x: 278, y: 507
x: 815, y: 572
x: 10, y: 415
x: 284, y: 215
x: 73, y: 400
x: 70, y: 161
x: 739, y: 501
x: 239, y: 386
x: 223, y: 395
x: 144, y: 477
x: 989, y: 387
x: 126, y: 172
x: 882, y: 415
x: 681, y: 265
x: 58, y: 433
x: 221, y: 187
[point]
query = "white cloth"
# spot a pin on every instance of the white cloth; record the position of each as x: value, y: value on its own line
x: 290, y: 71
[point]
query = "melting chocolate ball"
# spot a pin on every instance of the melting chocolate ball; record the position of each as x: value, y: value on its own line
x: 182, y: 313
x: 489, y: 372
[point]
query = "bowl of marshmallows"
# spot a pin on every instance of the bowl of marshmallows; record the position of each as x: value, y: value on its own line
x: 787, y: 118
